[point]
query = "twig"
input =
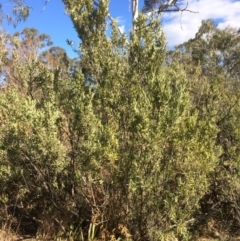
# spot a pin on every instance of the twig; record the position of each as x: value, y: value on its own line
x: 45, y: 4
x: 177, y: 9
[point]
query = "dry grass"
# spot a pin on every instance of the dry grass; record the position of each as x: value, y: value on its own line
x: 6, y: 235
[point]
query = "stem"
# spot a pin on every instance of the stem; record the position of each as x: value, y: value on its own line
x: 134, y: 12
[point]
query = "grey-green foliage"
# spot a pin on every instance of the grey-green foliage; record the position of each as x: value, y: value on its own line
x: 211, y: 60
x: 18, y: 11
x: 124, y: 148
x: 31, y: 154
x: 155, y: 149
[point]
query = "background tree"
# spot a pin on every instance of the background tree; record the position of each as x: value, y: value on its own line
x: 14, y: 11
x: 28, y: 54
x: 23, y: 53
x: 56, y: 59
x: 210, y: 61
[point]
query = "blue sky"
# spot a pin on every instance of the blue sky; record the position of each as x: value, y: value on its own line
x: 178, y: 28
x: 54, y: 22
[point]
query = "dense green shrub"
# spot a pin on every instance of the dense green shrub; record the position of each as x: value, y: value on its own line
x: 125, y: 147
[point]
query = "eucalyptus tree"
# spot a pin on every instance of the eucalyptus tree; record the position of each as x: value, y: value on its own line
x: 22, y: 60
x: 14, y: 11
x: 56, y: 59
x: 158, y: 7
x: 211, y: 59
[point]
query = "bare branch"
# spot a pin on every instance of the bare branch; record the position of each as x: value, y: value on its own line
x: 45, y: 4
x: 177, y: 9
x: 165, y: 8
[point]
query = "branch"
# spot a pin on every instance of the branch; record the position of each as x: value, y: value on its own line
x: 228, y: 111
x: 164, y: 8
x: 45, y: 4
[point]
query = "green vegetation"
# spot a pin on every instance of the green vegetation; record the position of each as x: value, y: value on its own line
x: 130, y: 142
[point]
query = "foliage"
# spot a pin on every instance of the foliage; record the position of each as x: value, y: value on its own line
x: 211, y: 61
x: 18, y: 11
x: 127, y: 143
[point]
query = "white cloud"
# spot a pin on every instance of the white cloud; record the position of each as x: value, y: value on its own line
x: 122, y: 28
x: 181, y: 27
x: 120, y: 19
x: 121, y: 22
